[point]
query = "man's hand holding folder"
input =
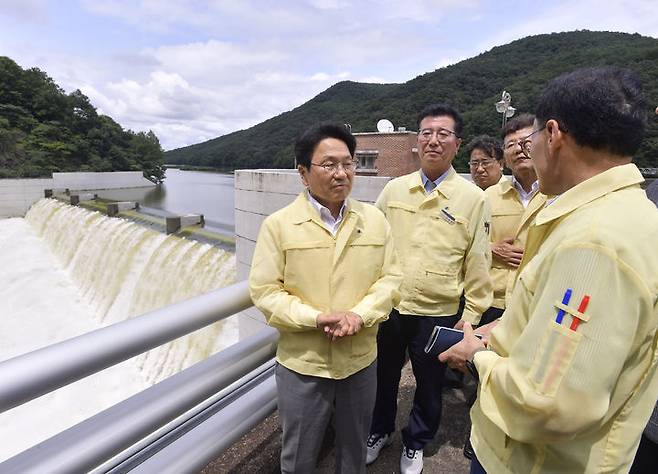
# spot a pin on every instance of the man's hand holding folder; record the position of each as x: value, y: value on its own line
x: 460, y: 353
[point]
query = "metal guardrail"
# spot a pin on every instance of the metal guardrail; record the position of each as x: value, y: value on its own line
x: 101, y: 437
x: 36, y: 373
x: 238, y: 413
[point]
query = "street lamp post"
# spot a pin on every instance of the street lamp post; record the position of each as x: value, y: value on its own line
x: 503, y: 106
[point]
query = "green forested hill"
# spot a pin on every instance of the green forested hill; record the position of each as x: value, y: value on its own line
x: 522, y: 68
x: 43, y: 129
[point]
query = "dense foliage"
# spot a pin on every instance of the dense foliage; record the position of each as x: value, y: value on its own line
x: 522, y: 68
x: 43, y: 129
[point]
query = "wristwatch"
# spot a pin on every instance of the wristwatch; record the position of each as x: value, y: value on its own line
x: 470, y: 365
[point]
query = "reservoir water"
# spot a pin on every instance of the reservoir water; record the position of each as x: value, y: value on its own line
x: 187, y: 192
x: 67, y: 270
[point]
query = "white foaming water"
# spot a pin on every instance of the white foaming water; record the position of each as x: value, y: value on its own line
x: 67, y: 271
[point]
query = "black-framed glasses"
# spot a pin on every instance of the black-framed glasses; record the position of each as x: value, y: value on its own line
x: 526, y: 142
x: 488, y: 163
x: 442, y: 134
x: 331, y: 167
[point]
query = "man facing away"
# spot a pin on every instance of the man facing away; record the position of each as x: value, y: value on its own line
x: 513, y: 201
x: 324, y: 274
x: 569, y: 380
x: 440, y: 223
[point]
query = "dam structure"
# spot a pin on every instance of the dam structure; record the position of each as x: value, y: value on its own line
x: 72, y: 276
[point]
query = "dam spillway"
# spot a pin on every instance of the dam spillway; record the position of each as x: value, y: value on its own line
x: 66, y: 271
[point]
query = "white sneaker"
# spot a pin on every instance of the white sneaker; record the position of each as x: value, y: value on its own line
x: 376, y: 442
x: 411, y: 461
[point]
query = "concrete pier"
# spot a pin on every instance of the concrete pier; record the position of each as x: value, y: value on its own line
x: 175, y: 223
x: 114, y: 208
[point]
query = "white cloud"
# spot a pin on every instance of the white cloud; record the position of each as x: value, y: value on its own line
x: 194, y: 70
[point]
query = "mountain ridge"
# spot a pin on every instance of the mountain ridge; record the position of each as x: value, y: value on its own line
x: 522, y: 67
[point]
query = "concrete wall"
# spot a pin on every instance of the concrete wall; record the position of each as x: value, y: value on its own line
x: 258, y: 193
x: 17, y: 195
x: 108, y: 180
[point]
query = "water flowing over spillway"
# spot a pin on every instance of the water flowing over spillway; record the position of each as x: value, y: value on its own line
x: 64, y: 271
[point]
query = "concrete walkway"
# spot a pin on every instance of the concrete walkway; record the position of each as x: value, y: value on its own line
x: 259, y: 450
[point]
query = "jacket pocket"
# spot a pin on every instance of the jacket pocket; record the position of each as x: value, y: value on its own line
x: 306, y: 262
x: 553, y: 358
x: 434, y: 285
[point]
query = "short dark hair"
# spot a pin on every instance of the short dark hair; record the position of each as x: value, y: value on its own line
x: 309, y: 139
x: 517, y: 123
x: 602, y: 108
x: 437, y: 110
x: 490, y: 146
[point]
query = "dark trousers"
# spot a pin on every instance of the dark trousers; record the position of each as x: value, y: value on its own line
x: 400, y: 334
x: 476, y: 467
x: 646, y: 458
x: 490, y: 315
x: 306, y: 404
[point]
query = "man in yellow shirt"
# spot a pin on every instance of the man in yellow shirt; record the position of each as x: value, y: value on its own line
x: 324, y: 274
x: 569, y: 380
x: 509, y: 200
x: 440, y: 223
x: 485, y: 161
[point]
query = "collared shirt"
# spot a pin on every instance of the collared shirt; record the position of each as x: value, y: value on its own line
x: 299, y: 270
x: 524, y: 196
x: 442, y: 242
x: 325, y: 214
x: 430, y: 185
x: 507, y: 214
x: 562, y: 396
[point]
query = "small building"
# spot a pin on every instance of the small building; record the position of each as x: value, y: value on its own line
x: 387, y: 153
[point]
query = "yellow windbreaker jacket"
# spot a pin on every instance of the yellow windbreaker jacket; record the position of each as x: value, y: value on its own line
x: 568, y: 385
x: 300, y: 270
x: 506, y: 213
x: 442, y: 242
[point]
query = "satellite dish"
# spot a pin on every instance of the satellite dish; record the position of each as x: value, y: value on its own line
x: 385, y: 126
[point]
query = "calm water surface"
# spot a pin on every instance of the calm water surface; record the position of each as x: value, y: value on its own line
x: 186, y: 192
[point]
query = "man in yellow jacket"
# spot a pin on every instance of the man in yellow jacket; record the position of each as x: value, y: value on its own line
x: 324, y: 274
x: 440, y: 224
x: 569, y: 378
x: 510, y: 199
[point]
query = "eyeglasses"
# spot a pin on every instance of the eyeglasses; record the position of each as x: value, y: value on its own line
x: 484, y: 163
x: 331, y: 167
x: 526, y: 142
x: 442, y: 134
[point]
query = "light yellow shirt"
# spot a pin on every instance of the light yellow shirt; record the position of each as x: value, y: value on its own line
x: 556, y: 400
x: 507, y: 209
x: 442, y: 243
x: 300, y: 270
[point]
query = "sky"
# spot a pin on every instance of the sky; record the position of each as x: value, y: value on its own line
x: 194, y: 70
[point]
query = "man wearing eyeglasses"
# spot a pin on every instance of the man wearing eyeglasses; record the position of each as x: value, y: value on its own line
x: 568, y: 379
x: 514, y: 202
x: 324, y: 273
x: 440, y: 223
x: 485, y: 161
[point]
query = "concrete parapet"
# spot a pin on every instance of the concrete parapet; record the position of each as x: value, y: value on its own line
x: 174, y: 223
x: 114, y: 208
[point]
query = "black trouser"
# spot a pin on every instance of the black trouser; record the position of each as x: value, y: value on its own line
x: 399, y: 334
x: 646, y: 458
